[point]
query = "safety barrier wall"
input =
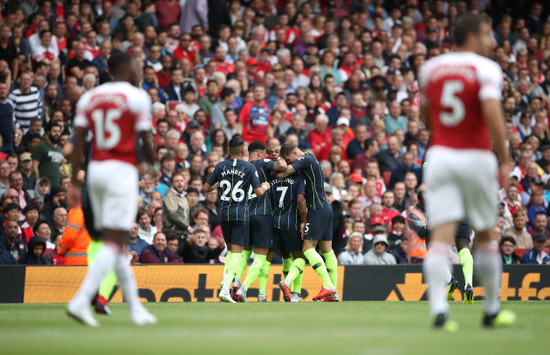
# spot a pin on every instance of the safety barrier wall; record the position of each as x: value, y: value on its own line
x: 200, y: 283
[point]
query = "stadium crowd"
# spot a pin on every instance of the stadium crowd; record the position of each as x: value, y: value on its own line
x: 339, y: 78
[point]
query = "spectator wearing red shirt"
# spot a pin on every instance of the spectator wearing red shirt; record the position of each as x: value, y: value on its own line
x: 361, y: 160
x: 222, y: 65
x: 319, y: 138
x: 255, y: 118
x: 159, y: 253
x: 348, y: 66
x: 264, y: 65
x: 186, y: 50
x: 164, y: 75
x: 388, y: 210
x: 336, y: 140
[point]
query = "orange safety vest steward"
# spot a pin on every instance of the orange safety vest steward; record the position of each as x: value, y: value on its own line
x: 75, y: 239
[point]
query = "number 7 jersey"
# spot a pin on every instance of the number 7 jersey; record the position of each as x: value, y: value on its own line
x: 114, y: 112
x: 453, y: 87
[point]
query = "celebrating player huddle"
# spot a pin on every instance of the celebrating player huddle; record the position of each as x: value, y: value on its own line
x: 251, y: 216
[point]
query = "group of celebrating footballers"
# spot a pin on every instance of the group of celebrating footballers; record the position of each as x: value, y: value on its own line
x: 280, y: 204
x: 292, y: 218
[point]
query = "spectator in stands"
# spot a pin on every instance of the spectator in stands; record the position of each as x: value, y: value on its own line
x: 167, y: 168
x: 217, y: 118
x: 211, y: 97
x: 12, y: 211
x: 389, y: 159
x: 4, y: 177
x: 10, y: 242
x: 53, y: 200
x: 401, y: 251
x: 359, y: 144
x: 43, y: 230
x: 145, y: 230
x: 31, y: 215
x: 537, y: 255
x: 35, y: 255
x: 379, y: 254
x: 176, y: 91
x: 507, y: 246
x: 254, y: 119
x: 535, y: 206
x: 16, y: 183
x: 47, y: 156
x: 135, y: 243
x: 6, y: 258
x: 25, y: 167
x: 519, y: 230
x: 175, y: 208
x: 196, y: 249
x: 158, y: 253
x: 352, y: 255
x: 7, y: 112
x: 27, y: 101
x: 210, y: 203
x: 59, y: 220
x: 407, y: 166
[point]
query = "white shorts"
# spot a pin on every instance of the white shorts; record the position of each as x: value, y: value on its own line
x: 113, y: 189
x: 461, y: 183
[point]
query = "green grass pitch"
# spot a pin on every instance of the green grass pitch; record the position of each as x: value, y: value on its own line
x: 274, y: 328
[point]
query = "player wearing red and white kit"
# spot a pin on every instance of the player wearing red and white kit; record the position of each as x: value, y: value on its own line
x: 115, y: 113
x: 461, y: 99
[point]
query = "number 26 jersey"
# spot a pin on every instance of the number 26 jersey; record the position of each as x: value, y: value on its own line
x: 237, y: 179
x: 453, y: 87
x: 114, y: 112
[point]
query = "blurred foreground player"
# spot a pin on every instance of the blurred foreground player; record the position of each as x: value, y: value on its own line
x: 115, y: 113
x: 461, y: 98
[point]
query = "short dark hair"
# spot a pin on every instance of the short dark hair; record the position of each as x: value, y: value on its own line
x: 117, y: 61
x: 226, y: 92
x: 398, y: 219
x: 235, y: 144
x: 52, y: 125
x: 507, y: 239
x: 192, y: 190
x: 12, y: 206
x: 369, y: 142
x: 31, y: 207
x: 466, y: 24
x: 38, y: 224
x: 256, y: 145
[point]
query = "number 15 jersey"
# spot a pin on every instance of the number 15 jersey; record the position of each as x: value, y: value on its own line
x: 237, y: 178
x: 453, y: 86
x: 114, y: 112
